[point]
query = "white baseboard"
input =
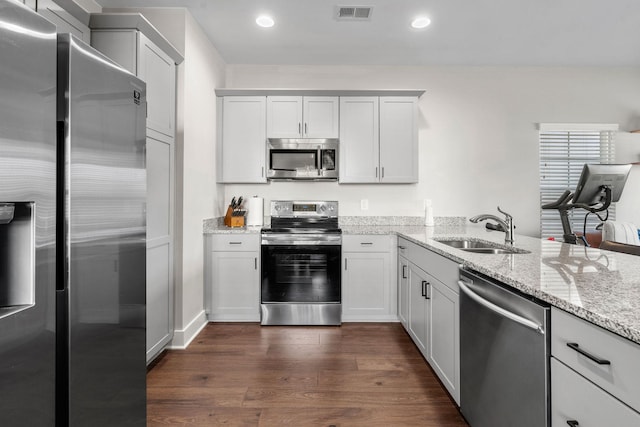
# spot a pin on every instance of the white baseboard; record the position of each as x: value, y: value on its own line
x: 183, y: 337
x: 387, y: 318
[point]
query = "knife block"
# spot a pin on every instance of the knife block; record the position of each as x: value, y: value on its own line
x: 234, y: 218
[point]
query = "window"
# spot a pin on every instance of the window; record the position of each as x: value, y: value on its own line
x: 564, y: 149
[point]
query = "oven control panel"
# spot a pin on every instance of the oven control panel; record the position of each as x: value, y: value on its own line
x: 306, y: 208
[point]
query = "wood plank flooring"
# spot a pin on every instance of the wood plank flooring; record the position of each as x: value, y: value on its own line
x: 358, y: 374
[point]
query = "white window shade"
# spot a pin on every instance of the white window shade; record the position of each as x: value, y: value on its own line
x: 564, y: 149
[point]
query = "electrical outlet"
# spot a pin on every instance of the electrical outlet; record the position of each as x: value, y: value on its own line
x: 364, y: 204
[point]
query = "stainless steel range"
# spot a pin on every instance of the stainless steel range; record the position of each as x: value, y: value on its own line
x: 301, y: 258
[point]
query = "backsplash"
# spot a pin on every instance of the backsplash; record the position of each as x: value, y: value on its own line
x: 440, y: 221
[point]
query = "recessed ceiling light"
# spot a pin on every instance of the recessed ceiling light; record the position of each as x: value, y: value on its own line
x: 264, y: 21
x: 421, y: 22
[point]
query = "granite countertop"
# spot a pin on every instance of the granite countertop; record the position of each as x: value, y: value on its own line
x: 601, y: 287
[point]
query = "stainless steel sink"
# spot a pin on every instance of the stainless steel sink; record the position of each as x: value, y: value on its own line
x: 481, y: 247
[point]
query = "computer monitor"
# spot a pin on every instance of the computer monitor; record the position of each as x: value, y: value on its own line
x: 595, y: 178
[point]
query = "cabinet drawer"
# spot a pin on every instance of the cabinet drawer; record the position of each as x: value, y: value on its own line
x: 573, y: 398
x: 366, y: 243
x: 235, y: 242
x: 620, y: 376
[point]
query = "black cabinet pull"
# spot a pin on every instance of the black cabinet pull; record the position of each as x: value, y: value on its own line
x: 404, y: 271
x: 576, y: 347
x: 255, y: 262
x: 573, y: 423
x: 427, y: 294
x: 424, y: 282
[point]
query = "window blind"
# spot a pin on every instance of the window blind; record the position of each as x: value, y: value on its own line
x: 564, y: 149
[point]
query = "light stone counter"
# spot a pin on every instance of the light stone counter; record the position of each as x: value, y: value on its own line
x: 601, y: 287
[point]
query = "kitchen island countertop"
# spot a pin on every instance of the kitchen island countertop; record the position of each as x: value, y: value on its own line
x: 601, y: 287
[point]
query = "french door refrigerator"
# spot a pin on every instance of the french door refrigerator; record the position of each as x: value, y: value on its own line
x: 72, y: 231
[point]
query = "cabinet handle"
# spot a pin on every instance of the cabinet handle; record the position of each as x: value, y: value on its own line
x: 376, y: 171
x: 401, y: 247
x: 305, y: 129
x: 424, y: 283
x: 576, y: 347
x: 299, y: 128
x: 345, y: 263
x: 404, y: 271
x: 255, y: 263
x: 573, y: 423
x: 428, y: 291
x: 262, y: 172
x: 382, y: 172
x: 235, y: 243
x: 366, y: 243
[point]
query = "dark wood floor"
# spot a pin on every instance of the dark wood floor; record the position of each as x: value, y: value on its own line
x: 358, y: 374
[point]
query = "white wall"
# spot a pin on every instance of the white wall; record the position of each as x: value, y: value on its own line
x: 204, y: 71
x: 478, y: 134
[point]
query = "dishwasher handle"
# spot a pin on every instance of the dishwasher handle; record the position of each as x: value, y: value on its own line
x: 499, y: 310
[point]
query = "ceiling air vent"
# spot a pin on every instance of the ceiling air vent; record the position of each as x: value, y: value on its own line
x: 353, y: 13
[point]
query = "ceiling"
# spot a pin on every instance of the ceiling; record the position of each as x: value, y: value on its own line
x: 462, y: 32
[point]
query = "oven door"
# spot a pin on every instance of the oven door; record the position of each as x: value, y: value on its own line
x: 301, y: 284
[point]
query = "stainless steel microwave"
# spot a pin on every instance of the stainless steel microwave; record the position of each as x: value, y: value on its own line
x: 302, y: 159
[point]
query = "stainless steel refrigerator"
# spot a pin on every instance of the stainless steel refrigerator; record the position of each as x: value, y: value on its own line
x: 72, y: 231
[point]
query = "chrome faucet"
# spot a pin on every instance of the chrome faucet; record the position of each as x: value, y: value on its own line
x: 507, y: 224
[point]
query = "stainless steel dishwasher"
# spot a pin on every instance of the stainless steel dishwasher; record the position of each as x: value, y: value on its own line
x: 504, y: 355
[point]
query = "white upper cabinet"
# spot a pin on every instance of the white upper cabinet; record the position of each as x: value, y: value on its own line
x: 159, y: 71
x: 379, y: 139
x: 359, y: 143
x: 302, y: 117
x: 398, y: 139
x: 63, y: 20
x: 242, y: 149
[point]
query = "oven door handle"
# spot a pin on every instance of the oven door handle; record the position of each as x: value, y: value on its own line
x: 499, y: 310
x: 300, y: 243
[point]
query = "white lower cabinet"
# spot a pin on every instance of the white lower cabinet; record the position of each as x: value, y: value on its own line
x: 367, y: 294
x: 233, y: 278
x: 578, y: 402
x: 403, y: 287
x: 428, y: 300
x: 444, y: 336
x: 595, y: 376
x: 418, y: 308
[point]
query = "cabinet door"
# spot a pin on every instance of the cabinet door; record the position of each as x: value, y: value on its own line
x: 235, y: 287
x: 157, y: 69
x: 63, y: 20
x: 444, y: 351
x: 359, y: 148
x: 573, y: 398
x: 365, y: 286
x: 320, y: 117
x: 418, y: 307
x: 398, y: 139
x: 243, y: 148
x: 119, y: 45
x: 284, y: 117
x: 403, y: 291
x: 160, y: 166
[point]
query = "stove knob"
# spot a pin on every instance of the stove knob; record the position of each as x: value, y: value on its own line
x: 323, y: 208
